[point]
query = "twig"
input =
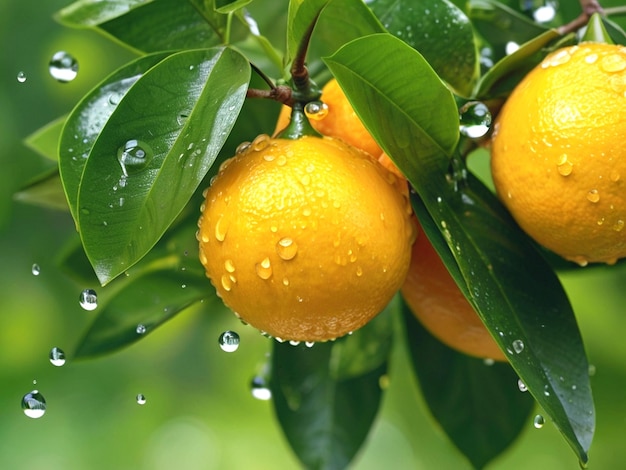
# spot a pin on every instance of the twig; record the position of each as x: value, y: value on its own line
x: 589, y: 7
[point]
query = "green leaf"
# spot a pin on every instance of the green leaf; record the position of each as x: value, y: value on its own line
x: 325, y: 418
x: 440, y: 32
x: 595, y: 31
x: 87, y: 119
x: 45, y: 141
x: 479, y: 406
x: 85, y: 13
x: 302, y: 16
x: 615, y: 31
x: 44, y: 190
x: 518, y: 297
x: 410, y: 108
x: 229, y: 6
x: 179, y: 115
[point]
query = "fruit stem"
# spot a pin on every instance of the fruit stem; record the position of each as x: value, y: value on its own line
x: 305, y: 89
x: 589, y: 7
x: 299, y: 124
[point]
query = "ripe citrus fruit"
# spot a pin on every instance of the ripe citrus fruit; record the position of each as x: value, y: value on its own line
x: 436, y: 301
x: 558, y: 153
x: 339, y: 120
x: 306, y: 239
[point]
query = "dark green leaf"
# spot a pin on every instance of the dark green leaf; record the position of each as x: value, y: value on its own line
x: 440, y: 32
x: 86, y: 121
x: 302, y: 19
x: 45, y: 141
x: 325, y: 419
x: 595, y: 31
x: 615, y: 31
x: 148, y: 300
x: 386, y: 101
x: 179, y: 114
x: 45, y: 190
x: 518, y: 297
x: 479, y: 406
x: 84, y: 13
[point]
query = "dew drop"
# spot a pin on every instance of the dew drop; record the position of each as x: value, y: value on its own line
x: 260, y: 388
x: 261, y: 142
x: 227, y: 283
x: 229, y: 341
x: 522, y: 386
x: 316, y: 110
x: 182, y: 117
x: 220, y: 229
x: 264, y: 269
x: 21, y: 76
x: 591, y: 370
x: 564, y: 166
x: 359, y: 271
x: 35, y: 269
x: 242, y: 148
x: 511, y: 47
x: 286, y: 248
x: 558, y: 58
x: 34, y: 404
x: 63, y: 67
x: 309, y: 344
x: 115, y: 98
x: 591, y: 58
x: 518, y: 346
x: 613, y: 63
x: 538, y: 421
x: 488, y: 361
x: 229, y: 266
x: 57, y: 357
x: 141, y: 329
x: 88, y: 299
x: 134, y: 155
x: 546, y: 12
x: 614, y: 176
x: 619, y: 225
x: 281, y: 160
x: 475, y: 119
x: 294, y: 342
x: 593, y: 196
x: 141, y: 399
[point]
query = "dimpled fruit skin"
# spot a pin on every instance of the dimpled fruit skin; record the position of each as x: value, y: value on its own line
x: 306, y: 239
x: 341, y: 121
x: 558, y: 153
x: 434, y: 298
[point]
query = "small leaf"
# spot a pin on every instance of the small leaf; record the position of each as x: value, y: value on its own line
x: 45, y: 141
x: 440, y: 32
x: 325, y: 419
x: 44, y: 190
x: 145, y: 301
x: 615, y: 31
x: 479, y: 406
x: 229, y: 6
x: 595, y: 31
x: 85, y: 13
x: 154, y: 151
x: 302, y: 16
x: 88, y: 118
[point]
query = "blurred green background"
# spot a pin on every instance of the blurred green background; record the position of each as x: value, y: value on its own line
x: 199, y: 412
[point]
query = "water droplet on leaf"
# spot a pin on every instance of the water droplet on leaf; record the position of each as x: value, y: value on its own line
x: 21, y: 76
x: 134, y: 155
x: 522, y: 386
x: 538, y: 421
x: 518, y: 346
x: 475, y: 119
x: 141, y: 329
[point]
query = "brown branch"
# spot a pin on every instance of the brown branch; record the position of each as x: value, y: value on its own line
x: 281, y: 93
x: 589, y: 7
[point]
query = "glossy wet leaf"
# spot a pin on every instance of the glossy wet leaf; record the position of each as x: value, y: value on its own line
x: 44, y: 190
x: 478, y: 406
x: 228, y: 6
x: 89, y: 117
x: 440, y: 31
x: 325, y: 419
x: 615, y: 31
x: 178, y: 116
x: 386, y: 101
x: 518, y: 297
x: 45, y: 141
x: 85, y: 13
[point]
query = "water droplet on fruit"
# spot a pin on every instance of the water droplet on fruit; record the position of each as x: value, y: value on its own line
x: 88, y: 299
x: 564, y: 166
x: 558, y: 58
x: 261, y: 142
x: 316, y: 110
x: 63, y: 67
x: 538, y: 421
x: 21, y: 76
x: 591, y: 58
x: 260, y: 388
x: 475, y: 119
x: 309, y: 344
x: 281, y: 160
x: 242, y: 147
x: 229, y: 266
x: 593, y: 196
x: 220, y: 229
x: 141, y: 399
x: 35, y: 269
x: 613, y: 63
x: 359, y: 271
x: 619, y: 225
x: 141, y: 329
x: 134, y: 155
x: 286, y: 248
x: 34, y: 404
x: 518, y: 346
x: 264, y: 269
x: 229, y: 341
x: 522, y: 386
x: 57, y: 357
x: 227, y: 283
x: 614, y: 176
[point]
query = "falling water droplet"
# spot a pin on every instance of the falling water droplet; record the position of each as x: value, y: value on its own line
x: 316, y: 110
x: 522, y: 386
x: 260, y: 388
x: 63, y: 67
x: 35, y: 269
x: 518, y: 346
x: 475, y: 119
x: 141, y: 399
x: 141, y: 329
x: 134, y: 155
x: 57, y: 357
x: 34, y: 404
x: 88, y: 299
x: 286, y: 248
x: 229, y: 341
x: 21, y: 76
x: 538, y: 421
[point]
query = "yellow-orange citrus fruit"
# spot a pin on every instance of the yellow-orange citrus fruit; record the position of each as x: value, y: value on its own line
x: 436, y: 301
x: 558, y: 153
x: 307, y: 239
x: 339, y: 121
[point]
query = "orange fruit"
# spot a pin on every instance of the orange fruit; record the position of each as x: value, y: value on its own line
x: 436, y: 301
x: 558, y: 153
x: 339, y: 121
x: 307, y: 239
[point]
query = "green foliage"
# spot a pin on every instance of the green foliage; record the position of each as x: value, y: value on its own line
x: 131, y: 159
